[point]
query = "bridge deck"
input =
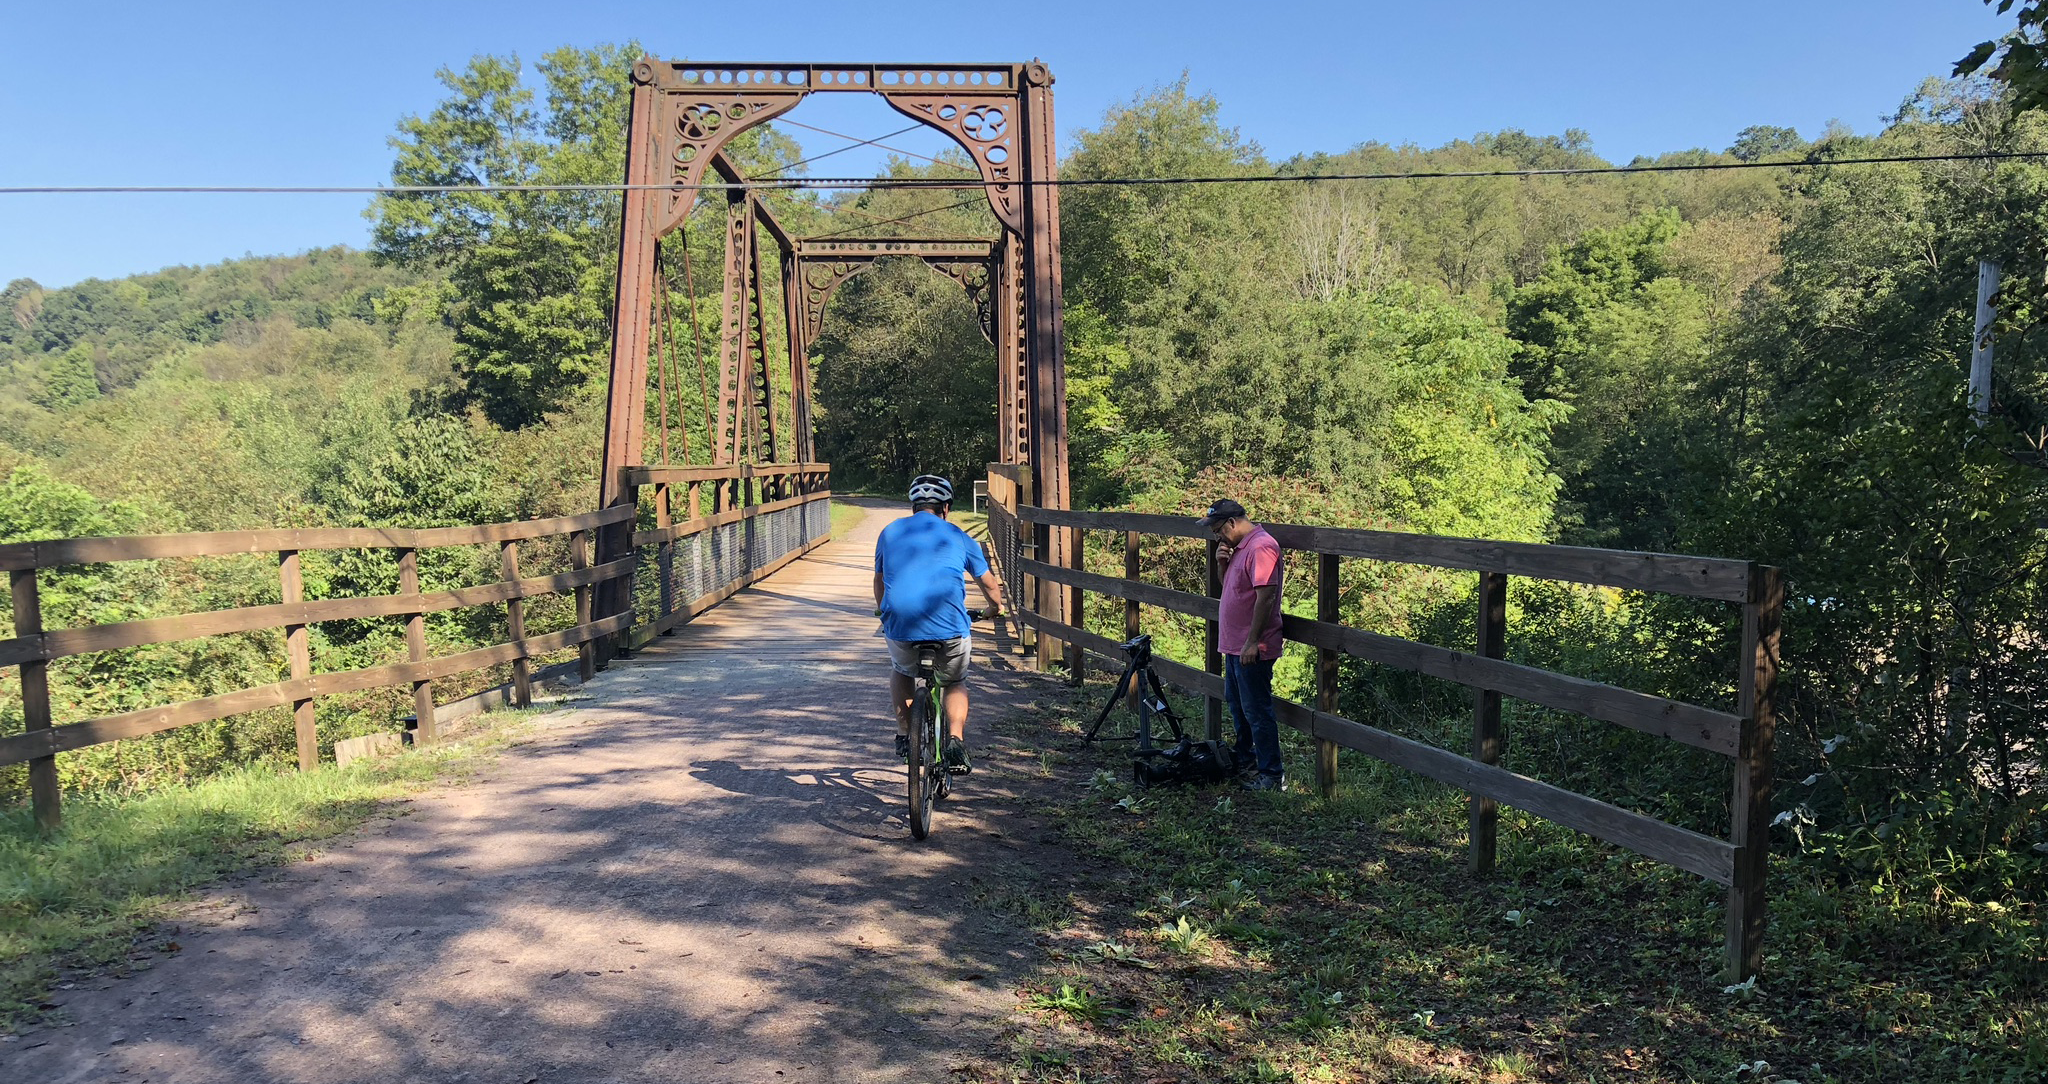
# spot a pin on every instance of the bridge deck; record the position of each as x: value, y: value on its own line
x: 700, y: 874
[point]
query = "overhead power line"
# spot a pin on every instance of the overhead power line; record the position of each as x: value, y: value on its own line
x: 878, y: 183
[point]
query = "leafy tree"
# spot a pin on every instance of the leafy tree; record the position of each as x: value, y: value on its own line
x: 530, y: 288
x: 1622, y: 327
x: 23, y: 300
x: 1911, y: 534
x: 2022, y: 64
x: 530, y: 274
x: 69, y: 380
x: 426, y: 472
x: 906, y: 382
x: 35, y: 507
x: 1131, y: 250
x: 534, y: 325
x: 1759, y: 142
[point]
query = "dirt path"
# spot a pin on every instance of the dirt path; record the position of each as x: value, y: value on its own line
x: 701, y: 874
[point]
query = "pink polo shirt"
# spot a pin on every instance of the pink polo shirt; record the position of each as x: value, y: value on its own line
x: 1255, y: 564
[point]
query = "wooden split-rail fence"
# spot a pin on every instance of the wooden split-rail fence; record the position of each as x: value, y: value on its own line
x: 742, y: 522
x: 1019, y: 531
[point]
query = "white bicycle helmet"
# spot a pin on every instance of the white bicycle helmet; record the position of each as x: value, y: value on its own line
x: 930, y: 489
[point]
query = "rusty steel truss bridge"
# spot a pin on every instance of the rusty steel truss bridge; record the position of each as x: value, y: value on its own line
x: 684, y: 116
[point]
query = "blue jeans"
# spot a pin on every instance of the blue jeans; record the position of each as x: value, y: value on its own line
x: 1248, y: 688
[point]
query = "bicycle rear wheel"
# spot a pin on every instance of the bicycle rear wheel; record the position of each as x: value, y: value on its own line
x: 923, y: 760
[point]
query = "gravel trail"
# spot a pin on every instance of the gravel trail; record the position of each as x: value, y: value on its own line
x: 702, y: 873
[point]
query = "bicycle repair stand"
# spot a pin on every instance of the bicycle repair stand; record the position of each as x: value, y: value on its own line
x: 1138, y: 677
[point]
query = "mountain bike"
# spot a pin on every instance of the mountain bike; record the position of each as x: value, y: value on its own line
x: 929, y: 779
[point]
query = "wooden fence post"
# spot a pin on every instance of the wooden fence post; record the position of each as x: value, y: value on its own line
x: 579, y: 559
x: 35, y: 700
x: 298, y: 650
x: 1131, y: 608
x: 1326, y: 674
x: 1212, y: 659
x: 1029, y: 547
x: 1486, y: 743
x: 1749, y: 810
x: 416, y: 648
x: 1077, y: 605
x: 1028, y: 638
x: 515, y: 626
x: 665, y: 563
x: 620, y: 645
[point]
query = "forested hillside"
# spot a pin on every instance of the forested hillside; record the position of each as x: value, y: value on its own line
x: 1765, y: 364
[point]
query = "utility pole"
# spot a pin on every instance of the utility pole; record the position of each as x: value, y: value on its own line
x: 1980, y: 347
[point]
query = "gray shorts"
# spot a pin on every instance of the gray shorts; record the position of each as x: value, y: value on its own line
x: 951, y: 658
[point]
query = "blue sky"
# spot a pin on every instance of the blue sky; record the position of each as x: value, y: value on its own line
x: 308, y: 94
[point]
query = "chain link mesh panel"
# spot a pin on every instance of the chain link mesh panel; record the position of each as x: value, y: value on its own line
x: 714, y: 560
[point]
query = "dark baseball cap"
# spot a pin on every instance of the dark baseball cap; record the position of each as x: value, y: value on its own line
x: 1220, y: 511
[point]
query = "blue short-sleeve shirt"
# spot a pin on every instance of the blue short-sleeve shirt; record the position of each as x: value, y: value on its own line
x: 922, y: 559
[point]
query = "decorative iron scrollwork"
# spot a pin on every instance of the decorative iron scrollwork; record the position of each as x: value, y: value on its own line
x: 697, y: 127
x: 820, y: 278
x: 984, y: 128
x: 976, y: 277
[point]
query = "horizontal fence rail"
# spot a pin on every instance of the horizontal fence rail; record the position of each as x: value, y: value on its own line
x: 1744, y: 735
x: 744, y: 521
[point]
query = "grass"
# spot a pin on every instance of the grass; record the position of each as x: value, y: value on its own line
x: 1257, y: 937
x: 974, y: 523
x: 845, y: 517
x: 85, y: 897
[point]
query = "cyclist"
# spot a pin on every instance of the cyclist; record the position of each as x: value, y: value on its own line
x: 920, y: 595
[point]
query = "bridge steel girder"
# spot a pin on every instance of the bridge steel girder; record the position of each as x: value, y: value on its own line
x: 684, y: 114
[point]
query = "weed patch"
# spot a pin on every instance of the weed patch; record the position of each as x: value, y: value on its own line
x: 1293, y: 939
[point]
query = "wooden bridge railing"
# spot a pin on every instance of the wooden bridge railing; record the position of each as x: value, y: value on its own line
x: 1744, y: 735
x: 745, y: 521
x: 740, y: 525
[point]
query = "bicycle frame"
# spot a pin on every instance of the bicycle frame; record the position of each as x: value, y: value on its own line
x: 927, y: 777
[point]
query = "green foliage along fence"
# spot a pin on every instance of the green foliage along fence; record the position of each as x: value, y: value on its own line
x: 1745, y: 735
x: 760, y: 518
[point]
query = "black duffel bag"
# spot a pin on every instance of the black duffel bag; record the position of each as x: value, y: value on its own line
x: 1196, y: 762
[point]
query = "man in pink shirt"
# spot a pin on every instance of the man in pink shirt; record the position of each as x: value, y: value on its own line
x: 1248, y: 635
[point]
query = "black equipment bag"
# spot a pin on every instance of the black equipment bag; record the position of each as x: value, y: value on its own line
x: 1195, y: 762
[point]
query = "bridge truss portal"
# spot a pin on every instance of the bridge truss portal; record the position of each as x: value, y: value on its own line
x: 683, y: 116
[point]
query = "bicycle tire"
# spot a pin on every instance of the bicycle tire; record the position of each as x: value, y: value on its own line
x: 922, y: 761
x: 942, y: 780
